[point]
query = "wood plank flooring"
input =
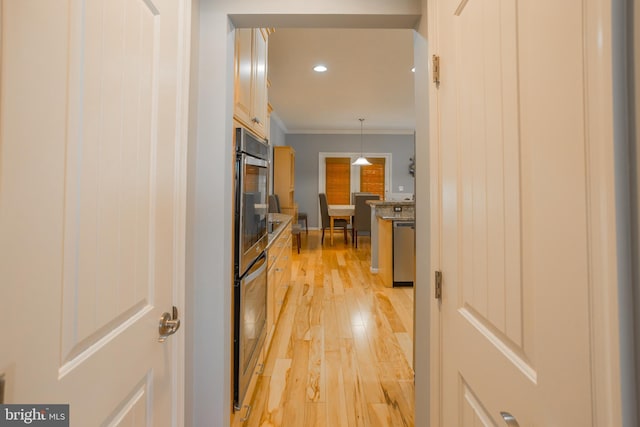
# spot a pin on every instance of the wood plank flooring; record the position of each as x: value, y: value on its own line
x: 341, y: 353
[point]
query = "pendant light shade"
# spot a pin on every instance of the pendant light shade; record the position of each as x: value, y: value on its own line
x: 361, y: 161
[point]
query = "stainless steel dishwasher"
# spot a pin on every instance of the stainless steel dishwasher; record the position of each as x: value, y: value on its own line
x: 404, y: 252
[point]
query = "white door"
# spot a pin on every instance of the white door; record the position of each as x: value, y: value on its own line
x: 513, y: 185
x: 91, y: 196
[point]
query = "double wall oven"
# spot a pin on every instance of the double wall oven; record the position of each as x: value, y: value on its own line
x: 250, y: 262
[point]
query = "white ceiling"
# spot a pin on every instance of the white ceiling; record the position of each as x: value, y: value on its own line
x: 369, y: 75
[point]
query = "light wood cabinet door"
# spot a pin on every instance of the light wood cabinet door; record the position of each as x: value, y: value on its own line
x: 284, y: 158
x: 250, y: 86
x: 385, y: 252
x: 259, y: 102
x: 243, y: 75
x: 279, y: 275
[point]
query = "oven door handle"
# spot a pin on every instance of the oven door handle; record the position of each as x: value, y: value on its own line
x: 254, y: 161
x: 257, y: 268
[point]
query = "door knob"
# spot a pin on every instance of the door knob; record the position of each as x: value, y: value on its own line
x: 169, y: 324
x: 509, y: 419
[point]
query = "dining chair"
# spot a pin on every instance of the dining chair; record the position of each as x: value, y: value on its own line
x: 358, y: 193
x: 302, y: 216
x: 326, y: 221
x: 295, y: 231
x: 362, y: 215
x: 274, y: 203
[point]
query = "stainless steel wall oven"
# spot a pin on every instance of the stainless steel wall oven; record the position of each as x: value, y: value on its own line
x: 250, y: 264
x: 252, y: 174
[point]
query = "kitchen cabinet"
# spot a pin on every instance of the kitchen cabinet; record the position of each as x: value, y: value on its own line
x: 267, y: 127
x: 250, y: 87
x: 238, y: 418
x: 284, y: 159
x: 278, y: 278
x: 385, y: 252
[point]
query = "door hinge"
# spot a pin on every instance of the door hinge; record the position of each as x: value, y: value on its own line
x: 435, y: 61
x: 438, y: 293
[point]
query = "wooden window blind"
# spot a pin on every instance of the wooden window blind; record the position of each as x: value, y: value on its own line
x: 338, y: 180
x: 372, y: 177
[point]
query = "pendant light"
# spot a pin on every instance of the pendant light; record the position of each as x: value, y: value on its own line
x: 361, y: 161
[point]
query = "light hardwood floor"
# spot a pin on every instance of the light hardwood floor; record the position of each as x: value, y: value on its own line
x: 341, y: 353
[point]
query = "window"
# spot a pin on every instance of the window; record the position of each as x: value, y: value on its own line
x: 372, y: 177
x: 338, y: 180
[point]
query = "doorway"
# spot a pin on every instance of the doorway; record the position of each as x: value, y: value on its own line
x: 208, y: 246
x: 336, y: 175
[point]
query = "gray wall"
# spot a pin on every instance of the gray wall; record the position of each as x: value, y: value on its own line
x: 277, y: 133
x: 625, y: 36
x: 308, y: 147
x: 633, y: 154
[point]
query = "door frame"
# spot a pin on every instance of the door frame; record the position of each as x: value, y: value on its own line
x: 209, y: 239
x: 606, y: 366
x: 180, y: 223
x: 211, y: 106
x: 625, y: 95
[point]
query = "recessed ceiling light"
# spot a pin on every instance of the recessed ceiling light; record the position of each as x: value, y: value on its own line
x: 320, y: 68
x: 413, y: 70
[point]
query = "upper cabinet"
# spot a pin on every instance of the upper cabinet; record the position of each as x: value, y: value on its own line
x: 250, y: 94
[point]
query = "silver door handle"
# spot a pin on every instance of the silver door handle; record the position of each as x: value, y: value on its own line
x: 509, y: 419
x: 169, y: 324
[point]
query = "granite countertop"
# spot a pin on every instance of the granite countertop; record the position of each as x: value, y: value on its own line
x: 398, y: 217
x: 386, y: 210
x: 276, y: 225
x: 378, y: 203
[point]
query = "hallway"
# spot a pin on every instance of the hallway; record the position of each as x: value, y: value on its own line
x: 341, y: 353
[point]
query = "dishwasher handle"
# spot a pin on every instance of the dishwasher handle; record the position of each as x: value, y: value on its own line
x: 403, y: 224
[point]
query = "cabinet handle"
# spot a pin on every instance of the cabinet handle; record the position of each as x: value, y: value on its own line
x: 261, y: 370
x: 246, y: 415
x: 256, y: 120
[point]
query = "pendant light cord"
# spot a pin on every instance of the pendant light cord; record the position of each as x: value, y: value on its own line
x: 361, y: 137
x: 361, y: 161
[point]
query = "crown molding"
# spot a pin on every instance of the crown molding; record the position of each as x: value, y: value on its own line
x: 351, y: 131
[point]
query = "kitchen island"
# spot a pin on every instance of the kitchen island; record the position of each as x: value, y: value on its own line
x: 383, y: 213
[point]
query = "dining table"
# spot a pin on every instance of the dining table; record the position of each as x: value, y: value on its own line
x: 340, y: 211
